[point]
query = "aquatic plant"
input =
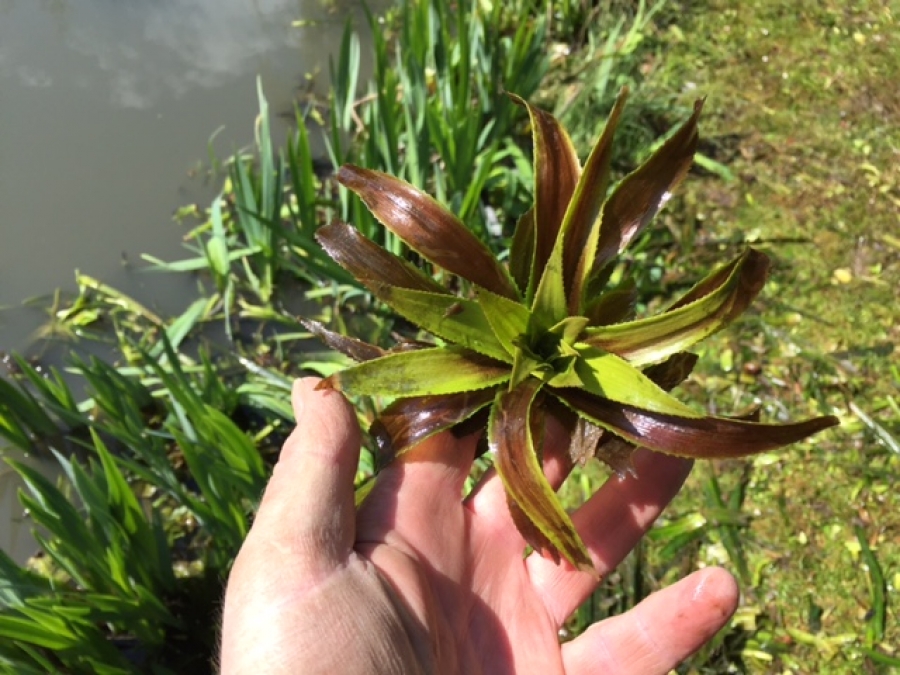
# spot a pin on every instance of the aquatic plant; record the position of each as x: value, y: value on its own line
x: 549, y: 334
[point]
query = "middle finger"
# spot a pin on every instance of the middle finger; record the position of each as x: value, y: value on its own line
x: 610, y: 523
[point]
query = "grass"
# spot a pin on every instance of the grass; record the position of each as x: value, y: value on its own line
x: 799, y: 158
x: 802, y: 109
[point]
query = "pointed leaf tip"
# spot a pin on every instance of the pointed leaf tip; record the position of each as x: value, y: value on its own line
x: 711, y: 305
x: 542, y: 521
x: 556, y: 173
x: 699, y: 437
x: 642, y: 193
x: 325, y: 385
x: 355, y: 349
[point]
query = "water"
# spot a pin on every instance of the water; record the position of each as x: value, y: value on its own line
x: 106, y: 107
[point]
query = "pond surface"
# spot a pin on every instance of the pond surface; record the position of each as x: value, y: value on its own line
x: 106, y: 109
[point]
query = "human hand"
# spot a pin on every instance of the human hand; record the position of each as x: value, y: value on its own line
x: 422, y: 581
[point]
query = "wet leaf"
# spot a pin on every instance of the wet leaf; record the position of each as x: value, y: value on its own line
x: 698, y: 437
x: 639, y: 197
x: 428, y: 228
x: 519, y: 467
x: 556, y: 172
x: 409, y: 421
x: 655, y: 338
x: 368, y: 262
x: 423, y: 372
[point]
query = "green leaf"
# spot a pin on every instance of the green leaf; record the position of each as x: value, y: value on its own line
x: 613, y: 378
x: 521, y: 254
x: 655, y: 338
x: 428, y: 228
x: 30, y: 631
x: 582, y: 221
x: 368, y: 262
x: 182, y: 326
x: 217, y: 246
x: 510, y: 438
x: 697, y: 437
x: 458, y: 320
x: 50, y: 508
x: 549, y: 305
x: 508, y: 320
x: 425, y: 372
x: 524, y: 364
x: 568, y: 330
x: 408, y: 421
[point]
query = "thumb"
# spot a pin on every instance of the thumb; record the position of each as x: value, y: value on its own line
x: 307, y: 512
x: 303, y: 532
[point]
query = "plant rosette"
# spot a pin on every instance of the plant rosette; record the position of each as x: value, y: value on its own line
x: 547, y: 335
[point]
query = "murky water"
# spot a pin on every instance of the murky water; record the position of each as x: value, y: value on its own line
x: 106, y: 107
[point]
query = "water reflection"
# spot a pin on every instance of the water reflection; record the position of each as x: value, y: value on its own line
x: 141, y: 50
x: 106, y: 107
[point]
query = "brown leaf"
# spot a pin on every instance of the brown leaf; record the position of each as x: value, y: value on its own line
x: 673, y: 371
x: 701, y: 437
x: 642, y: 193
x: 518, y: 464
x: 556, y: 172
x: 409, y: 421
x: 530, y: 532
x: 428, y: 228
x: 613, y: 306
x: 367, y: 261
x: 585, y: 438
x: 617, y: 454
x: 584, y: 209
x: 355, y: 349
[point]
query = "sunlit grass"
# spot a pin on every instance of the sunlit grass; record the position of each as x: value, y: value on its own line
x: 795, y: 105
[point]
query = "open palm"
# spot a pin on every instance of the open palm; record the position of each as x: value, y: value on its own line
x: 421, y: 580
